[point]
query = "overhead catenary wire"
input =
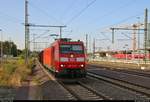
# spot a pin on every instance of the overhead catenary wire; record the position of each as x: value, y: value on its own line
x: 11, y: 18
x: 107, y: 14
x: 106, y: 37
x: 45, y: 13
x: 78, y: 14
x: 40, y: 35
x: 130, y: 38
x: 121, y: 21
x: 68, y: 8
x: 38, y: 29
x: 126, y: 19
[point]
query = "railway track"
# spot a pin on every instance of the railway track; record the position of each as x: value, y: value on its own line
x: 128, y: 71
x: 82, y: 92
x: 134, y: 72
x: 78, y: 90
x: 143, y: 91
x: 137, y: 80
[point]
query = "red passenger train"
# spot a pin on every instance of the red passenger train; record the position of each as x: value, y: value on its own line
x: 65, y: 58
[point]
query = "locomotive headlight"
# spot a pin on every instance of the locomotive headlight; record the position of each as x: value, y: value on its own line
x: 64, y: 59
x: 82, y: 65
x: 80, y: 59
x: 61, y: 65
x: 71, y: 56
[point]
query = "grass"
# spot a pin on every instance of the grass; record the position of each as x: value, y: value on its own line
x: 13, y: 72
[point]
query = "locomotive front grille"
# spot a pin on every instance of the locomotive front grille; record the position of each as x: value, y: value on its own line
x: 73, y: 73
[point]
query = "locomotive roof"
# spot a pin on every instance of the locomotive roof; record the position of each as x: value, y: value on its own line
x: 64, y: 41
x: 67, y: 40
x: 70, y: 42
x: 60, y: 41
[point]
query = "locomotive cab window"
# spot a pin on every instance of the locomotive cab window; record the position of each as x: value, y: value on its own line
x: 66, y: 48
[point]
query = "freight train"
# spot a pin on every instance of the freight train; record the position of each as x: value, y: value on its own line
x: 65, y: 58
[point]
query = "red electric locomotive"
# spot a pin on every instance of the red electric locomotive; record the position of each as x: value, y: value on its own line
x: 65, y: 58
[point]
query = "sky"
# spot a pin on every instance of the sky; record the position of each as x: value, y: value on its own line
x: 92, y: 17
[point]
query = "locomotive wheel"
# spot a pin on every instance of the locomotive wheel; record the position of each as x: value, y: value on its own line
x: 85, y: 73
x: 56, y: 75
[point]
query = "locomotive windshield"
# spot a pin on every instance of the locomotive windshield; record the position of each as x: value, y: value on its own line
x: 66, y: 48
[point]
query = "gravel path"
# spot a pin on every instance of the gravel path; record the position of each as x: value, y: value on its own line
x: 50, y: 89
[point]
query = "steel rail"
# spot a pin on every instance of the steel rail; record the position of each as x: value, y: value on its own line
x: 136, y: 88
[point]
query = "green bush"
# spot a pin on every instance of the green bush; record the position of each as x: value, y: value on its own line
x: 12, y: 72
x: 10, y: 68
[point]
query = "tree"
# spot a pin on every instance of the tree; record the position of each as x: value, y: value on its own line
x: 14, y: 50
x: 9, y: 48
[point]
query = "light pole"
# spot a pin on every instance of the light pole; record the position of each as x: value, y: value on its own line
x: 138, y: 40
x: 1, y: 46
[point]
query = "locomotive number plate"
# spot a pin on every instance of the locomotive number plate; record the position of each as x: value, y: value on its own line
x: 72, y: 59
